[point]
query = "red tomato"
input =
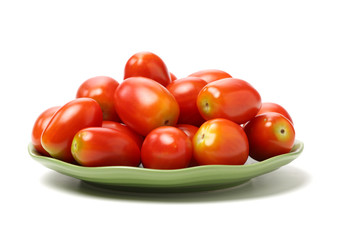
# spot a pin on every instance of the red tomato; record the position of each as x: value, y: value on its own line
x: 38, y: 128
x: 269, y: 134
x: 211, y: 75
x: 120, y: 127
x: 186, y: 91
x: 274, y: 107
x: 166, y: 148
x: 220, y: 141
x: 66, y: 122
x: 229, y: 98
x: 172, y: 76
x: 101, y: 89
x: 190, y: 131
x: 98, y: 146
x: 149, y: 65
x: 144, y: 104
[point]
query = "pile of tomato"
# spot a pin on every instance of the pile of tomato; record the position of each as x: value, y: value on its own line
x: 154, y: 120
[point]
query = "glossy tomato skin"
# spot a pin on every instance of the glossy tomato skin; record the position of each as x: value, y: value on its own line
x: 143, y: 105
x: 75, y: 115
x: 101, y: 89
x: 121, y: 127
x: 220, y: 141
x: 38, y: 128
x: 274, y: 107
x: 211, y: 75
x: 186, y: 91
x: 149, y: 65
x: 98, y: 146
x: 166, y: 147
x: 229, y: 98
x: 269, y: 134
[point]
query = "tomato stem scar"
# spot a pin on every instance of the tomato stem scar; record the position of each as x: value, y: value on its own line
x: 206, y: 106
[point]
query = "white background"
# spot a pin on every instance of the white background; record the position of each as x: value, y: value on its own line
x: 288, y: 50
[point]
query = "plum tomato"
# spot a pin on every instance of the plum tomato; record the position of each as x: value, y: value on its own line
x: 186, y: 91
x: 149, y: 65
x: 229, y: 98
x: 173, y: 77
x: 220, y: 141
x: 98, y: 146
x: 101, y: 89
x: 75, y: 115
x: 210, y: 75
x: 38, y: 128
x: 143, y: 104
x: 166, y: 147
x: 121, y: 127
x: 190, y: 131
x: 269, y: 134
x: 274, y: 107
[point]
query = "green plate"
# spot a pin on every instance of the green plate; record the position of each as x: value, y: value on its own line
x: 137, y: 179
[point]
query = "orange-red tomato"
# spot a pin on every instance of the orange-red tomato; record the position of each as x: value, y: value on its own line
x: 166, y: 147
x: 186, y: 91
x: 38, y: 128
x: 98, y: 146
x: 143, y: 105
x: 210, y: 75
x: 269, y: 134
x: 229, y: 98
x: 120, y: 127
x: 101, y: 89
x: 149, y: 65
x: 274, y: 107
x: 220, y: 141
x: 75, y: 115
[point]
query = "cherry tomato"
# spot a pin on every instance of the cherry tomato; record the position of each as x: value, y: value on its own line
x: 210, y: 75
x: 98, y: 146
x: 120, y: 127
x: 75, y: 115
x: 229, y: 98
x: 190, y: 131
x: 186, y: 91
x: 220, y: 141
x: 269, y: 134
x: 101, y: 89
x: 144, y: 104
x: 149, y: 65
x: 274, y: 107
x: 166, y: 148
x: 38, y: 128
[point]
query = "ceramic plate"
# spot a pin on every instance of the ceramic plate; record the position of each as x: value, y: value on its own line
x: 138, y: 179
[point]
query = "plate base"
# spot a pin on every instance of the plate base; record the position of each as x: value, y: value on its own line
x: 177, y: 189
